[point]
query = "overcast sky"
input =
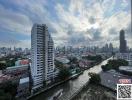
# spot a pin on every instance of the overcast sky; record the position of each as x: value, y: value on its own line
x: 70, y: 22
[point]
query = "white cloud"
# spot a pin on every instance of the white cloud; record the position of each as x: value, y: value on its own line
x: 80, y: 20
x: 117, y: 21
x: 16, y: 22
x: 96, y: 13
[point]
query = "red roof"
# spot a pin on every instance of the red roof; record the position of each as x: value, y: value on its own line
x: 24, y: 62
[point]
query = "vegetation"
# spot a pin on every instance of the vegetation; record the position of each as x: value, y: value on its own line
x: 8, y: 61
x: 58, y: 64
x: 94, y: 78
x: 114, y: 64
x: 64, y: 73
x: 96, y: 58
x: 10, y: 56
x: 9, y: 89
x: 73, y: 60
x: 4, y: 95
x: 2, y: 65
x: 78, y: 70
x: 95, y: 92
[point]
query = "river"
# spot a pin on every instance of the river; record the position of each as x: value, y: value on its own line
x: 71, y: 86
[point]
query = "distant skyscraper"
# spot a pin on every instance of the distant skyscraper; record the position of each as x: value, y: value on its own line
x: 110, y: 47
x: 106, y: 48
x: 42, y: 51
x: 123, y: 45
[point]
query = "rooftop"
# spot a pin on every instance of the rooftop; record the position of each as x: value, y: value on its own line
x: 126, y: 68
x: 24, y: 80
x: 13, y: 67
x: 63, y: 60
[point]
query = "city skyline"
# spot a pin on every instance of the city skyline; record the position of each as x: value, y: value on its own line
x: 65, y: 49
x: 83, y: 22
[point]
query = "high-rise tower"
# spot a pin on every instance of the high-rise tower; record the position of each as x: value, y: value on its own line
x: 42, y: 52
x: 123, y: 45
x: 110, y: 47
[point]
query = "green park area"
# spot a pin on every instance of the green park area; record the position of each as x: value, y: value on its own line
x: 8, y: 61
x: 114, y: 64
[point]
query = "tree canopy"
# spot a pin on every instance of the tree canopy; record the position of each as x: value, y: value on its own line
x: 94, y: 78
x: 58, y: 64
x: 64, y: 73
x: 96, y: 58
x: 4, y: 95
x: 114, y: 64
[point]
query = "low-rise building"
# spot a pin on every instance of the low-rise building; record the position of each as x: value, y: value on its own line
x: 111, y: 78
x: 22, y: 62
x: 4, y: 78
x: 23, y: 89
x: 126, y: 70
x: 105, y: 55
x: 18, y: 71
x: 85, y: 63
x: 64, y: 60
x: 125, y: 56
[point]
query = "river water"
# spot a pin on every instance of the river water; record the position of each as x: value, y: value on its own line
x: 71, y: 86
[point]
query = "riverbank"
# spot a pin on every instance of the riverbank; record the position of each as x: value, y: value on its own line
x: 94, y: 92
x: 72, y: 86
x: 56, y: 84
x: 46, y: 89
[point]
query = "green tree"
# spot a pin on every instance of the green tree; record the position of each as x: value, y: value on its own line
x: 2, y: 66
x: 10, y: 88
x: 105, y: 67
x: 73, y: 60
x: 64, y: 73
x: 96, y: 58
x: 58, y: 64
x: 94, y: 78
x: 114, y: 64
x: 4, y: 95
x: 11, y: 62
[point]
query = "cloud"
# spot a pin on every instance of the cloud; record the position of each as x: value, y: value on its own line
x: 16, y: 22
x: 90, y: 23
x: 8, y: 41
x: 78, y: 22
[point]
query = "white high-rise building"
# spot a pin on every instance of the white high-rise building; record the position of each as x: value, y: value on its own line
x: 42, y: 51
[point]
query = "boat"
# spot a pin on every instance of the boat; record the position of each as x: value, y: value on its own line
x: 74, y: 76
x: 57, y: 94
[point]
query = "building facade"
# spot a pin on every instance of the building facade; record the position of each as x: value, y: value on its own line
x: 125, y: 56
x: 42, y: 55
